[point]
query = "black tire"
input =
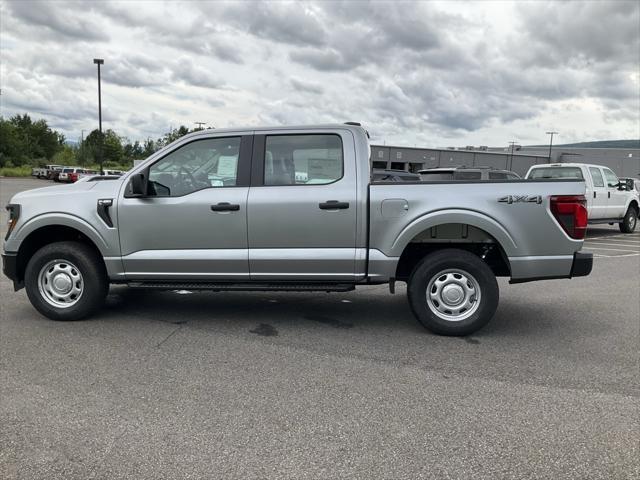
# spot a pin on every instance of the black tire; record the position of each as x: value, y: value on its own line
x: 93, y: 278
x: 630, y: 220
x: 444, y: 264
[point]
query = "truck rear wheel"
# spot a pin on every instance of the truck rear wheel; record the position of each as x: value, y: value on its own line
x: 628, y: 224
x: 66, y: 281
x: 453, y: 292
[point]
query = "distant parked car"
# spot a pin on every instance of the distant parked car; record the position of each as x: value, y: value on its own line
x: 53, y: 173
x: 379, y: 175
x: 70, y: 174
x: 117, y: 173
x: 43, y: 172
x: 466, y: 173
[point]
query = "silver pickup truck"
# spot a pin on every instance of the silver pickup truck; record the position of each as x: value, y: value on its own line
x: 291, y: 208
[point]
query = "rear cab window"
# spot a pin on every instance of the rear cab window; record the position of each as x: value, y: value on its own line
x: 556, y: 173
x: 468, y: 175
x: 436, y: 176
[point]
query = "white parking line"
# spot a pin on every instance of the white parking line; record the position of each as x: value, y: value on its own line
x: 631, y: 238
x: 615, y: 243
x: 612, y: 249
x: 597, y: 255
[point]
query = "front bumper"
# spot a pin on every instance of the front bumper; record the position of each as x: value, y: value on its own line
x: 10, y: 269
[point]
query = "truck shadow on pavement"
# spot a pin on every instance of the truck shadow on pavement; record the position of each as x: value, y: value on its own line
x: 269, y: 314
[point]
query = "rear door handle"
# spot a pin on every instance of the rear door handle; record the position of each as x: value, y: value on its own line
x: 333, y: 205
x: 225, y: 207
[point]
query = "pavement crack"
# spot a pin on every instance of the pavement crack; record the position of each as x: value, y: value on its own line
x: 169, y: 336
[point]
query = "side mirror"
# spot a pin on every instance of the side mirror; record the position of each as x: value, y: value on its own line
x: 139, y: 185
x: 622, y: 185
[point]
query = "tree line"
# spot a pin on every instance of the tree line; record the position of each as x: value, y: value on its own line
x: 26, y: 142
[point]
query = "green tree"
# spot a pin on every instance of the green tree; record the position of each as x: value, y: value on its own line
x: 66, y: 156
x: 24, y: 141
x: 110, y: 143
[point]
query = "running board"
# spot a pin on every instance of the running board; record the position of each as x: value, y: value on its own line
x: 246, y: 287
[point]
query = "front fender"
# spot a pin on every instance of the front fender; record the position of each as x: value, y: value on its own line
x: 57, y: 218
x: 469, y: 217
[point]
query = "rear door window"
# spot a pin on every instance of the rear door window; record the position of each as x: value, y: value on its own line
x: 596, y: 176
x: 303, y: 159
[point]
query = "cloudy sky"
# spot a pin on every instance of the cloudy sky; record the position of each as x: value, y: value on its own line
x: 426, y: 74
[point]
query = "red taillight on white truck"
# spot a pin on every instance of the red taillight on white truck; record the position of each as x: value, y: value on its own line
x: 571, y: 213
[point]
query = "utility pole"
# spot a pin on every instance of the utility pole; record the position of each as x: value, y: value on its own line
x: 551, y: 143
x: 98, y: 62
x: 511, y: 156
x: 200, y: 124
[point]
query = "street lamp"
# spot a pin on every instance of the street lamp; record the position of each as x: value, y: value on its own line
x: 551, y: 143
x: 99, y: 61
x: 512, y: 144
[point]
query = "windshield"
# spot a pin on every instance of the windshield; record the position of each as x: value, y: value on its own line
x: 556, y: 173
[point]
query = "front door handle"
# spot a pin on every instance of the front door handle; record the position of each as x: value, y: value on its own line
x: 608, y: 194
x: 333, y: 205
x: 225, y: 207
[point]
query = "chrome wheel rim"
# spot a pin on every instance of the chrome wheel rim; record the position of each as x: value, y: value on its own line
x: 631, y: 222
x: 453, y: 295
x: 60, y: 283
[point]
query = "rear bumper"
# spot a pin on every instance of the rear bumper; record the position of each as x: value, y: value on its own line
x: 530, y: 269
x: 582, y: 264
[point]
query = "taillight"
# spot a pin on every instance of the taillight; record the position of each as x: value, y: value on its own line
x: 571, y: 213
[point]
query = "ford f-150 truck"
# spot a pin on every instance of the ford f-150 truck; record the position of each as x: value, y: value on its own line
x: 291, y: 208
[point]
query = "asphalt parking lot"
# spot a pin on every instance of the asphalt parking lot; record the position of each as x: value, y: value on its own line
x: 321, y: 386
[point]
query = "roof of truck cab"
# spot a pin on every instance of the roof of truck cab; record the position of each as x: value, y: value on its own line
x: 341, y: 126
x: 553, y: 165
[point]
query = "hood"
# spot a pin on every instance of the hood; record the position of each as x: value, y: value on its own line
x: 77, y: 189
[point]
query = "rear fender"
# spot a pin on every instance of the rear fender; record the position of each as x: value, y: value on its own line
x: 442, y: 217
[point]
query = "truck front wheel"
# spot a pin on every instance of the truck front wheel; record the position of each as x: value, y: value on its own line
x: 628, y: 224
x: 453, y: 292
x: 66, y: 281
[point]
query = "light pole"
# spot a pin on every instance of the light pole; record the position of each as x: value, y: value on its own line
x: 200, y: 124
x: 511, y: 156
x: 99, y: 61
x: 551, y: 143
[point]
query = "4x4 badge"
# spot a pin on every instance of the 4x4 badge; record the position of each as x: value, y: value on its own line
x: 521, y: 199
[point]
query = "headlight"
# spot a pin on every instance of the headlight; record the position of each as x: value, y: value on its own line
x: 14, y: 215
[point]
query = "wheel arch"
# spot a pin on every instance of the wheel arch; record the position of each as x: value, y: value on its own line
x: 479, y: 234
x: 42, y: 235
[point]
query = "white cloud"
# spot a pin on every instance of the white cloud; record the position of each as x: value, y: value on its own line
x: 437, y: 73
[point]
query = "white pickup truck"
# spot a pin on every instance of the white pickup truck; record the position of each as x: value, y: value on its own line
x: 43, y: 172
x: 608, y: 199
